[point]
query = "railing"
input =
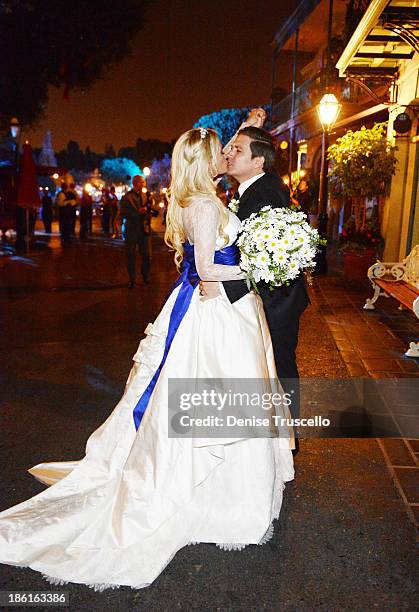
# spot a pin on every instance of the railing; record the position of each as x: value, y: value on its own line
x: 308, y: 95
x: 305, y: 98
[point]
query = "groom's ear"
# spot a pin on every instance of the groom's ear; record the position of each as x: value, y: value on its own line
x: 258, y: 162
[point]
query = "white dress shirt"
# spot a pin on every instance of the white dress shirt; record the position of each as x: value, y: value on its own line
x: 246, y: 184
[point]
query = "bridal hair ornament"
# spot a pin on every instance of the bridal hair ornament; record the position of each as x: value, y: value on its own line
x: 204, y: 132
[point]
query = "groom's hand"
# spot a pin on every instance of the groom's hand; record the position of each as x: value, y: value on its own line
x: 209, y: 290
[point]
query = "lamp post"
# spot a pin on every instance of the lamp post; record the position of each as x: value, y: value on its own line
x: 14, y: 126
x: 328, y: 110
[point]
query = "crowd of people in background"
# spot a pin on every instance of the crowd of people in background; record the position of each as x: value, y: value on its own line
x: 68, y: 205
x: 130, y: 218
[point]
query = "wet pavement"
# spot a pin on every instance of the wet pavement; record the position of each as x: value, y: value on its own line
x: 345, y: 539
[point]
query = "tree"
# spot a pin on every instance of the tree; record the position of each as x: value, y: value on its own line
x: 109, y: 151
x: 225, y: 122
x: 59, y: 43
x: 118, y: 169
x: 130, y: 152
x: 362, y: 163
x: 152, y: 148
x: 160, y: 173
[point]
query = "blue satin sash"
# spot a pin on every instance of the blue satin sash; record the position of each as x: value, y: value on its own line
x: 189, y: 280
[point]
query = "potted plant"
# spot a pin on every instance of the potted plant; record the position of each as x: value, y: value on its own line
x: 360, y: 247
x: 362, y: 164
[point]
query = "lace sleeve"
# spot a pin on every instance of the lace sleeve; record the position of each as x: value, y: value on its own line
x: 204, y: 218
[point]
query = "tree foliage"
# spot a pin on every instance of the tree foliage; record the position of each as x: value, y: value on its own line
x: 119, y: 169
x: 59, y: 43
x: 362, y: 163
x: 160, y: 173
x: 226, y: 121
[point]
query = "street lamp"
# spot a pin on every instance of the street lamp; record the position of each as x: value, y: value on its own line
x: 14, y: 128
x: 14, y: 133
x: 328, y: 110
x: 146, y: 171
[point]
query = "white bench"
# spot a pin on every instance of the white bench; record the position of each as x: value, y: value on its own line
x: 399, y: 280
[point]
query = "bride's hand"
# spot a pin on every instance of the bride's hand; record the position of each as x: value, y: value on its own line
x: 256, y: 118
x: 209, y: 290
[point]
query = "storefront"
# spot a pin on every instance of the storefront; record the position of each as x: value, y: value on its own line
x: 385, y: 49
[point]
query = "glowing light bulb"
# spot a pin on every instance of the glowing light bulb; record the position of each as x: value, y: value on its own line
x: 328, y: 109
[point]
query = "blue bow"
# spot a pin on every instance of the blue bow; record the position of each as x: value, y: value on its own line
x: 189, y: 280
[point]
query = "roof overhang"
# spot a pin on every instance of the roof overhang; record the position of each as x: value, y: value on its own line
x: 386, y: 36
x: 291, y: 25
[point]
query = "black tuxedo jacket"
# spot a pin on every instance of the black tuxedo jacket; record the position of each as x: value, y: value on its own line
x: 284, y: 304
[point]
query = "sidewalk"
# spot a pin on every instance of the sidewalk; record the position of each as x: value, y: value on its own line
x: 344, y: 540
x: 372, y: 344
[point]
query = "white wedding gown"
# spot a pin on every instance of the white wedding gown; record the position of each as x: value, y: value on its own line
x: 119, y: 515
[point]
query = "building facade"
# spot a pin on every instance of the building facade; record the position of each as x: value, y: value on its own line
x: 320, y: 49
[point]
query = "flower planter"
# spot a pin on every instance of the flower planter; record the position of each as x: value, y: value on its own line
x: 355, y: 265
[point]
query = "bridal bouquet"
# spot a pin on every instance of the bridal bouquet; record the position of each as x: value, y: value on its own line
x: 277, y: 244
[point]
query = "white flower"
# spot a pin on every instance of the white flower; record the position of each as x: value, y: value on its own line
x: 285, y: 243
x: 262, y: 260
x: 256, y: 275
x: 244, y: 262
x: 260, y: 244
x: 272, y: 245
x: 280, y: 257
x: 234, y: 205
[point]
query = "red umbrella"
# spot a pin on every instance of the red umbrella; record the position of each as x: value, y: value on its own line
x: 28, y: 192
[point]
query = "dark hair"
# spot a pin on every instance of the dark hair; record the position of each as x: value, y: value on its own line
x: 261, y: 145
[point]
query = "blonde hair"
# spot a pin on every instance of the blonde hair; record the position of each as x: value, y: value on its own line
x: 194, y: 164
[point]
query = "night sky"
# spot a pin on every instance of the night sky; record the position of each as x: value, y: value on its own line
x: 189, y: 59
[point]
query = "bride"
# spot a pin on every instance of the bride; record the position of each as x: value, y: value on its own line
x: 120, y: 514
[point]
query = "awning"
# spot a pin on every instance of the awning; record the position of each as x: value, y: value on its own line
x: 387, y: 35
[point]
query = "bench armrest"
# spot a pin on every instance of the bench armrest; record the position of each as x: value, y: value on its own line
x: 391, y: 271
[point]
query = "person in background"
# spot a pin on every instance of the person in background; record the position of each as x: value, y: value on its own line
x: 90, y: 217
x: 114, y: 213
x: 106, y: 214
x: 135, y: 210
x: 166, y: 205
x: 73, y: 201
x: 47, y: 212
x: 64, y: 213
x: 86, y: 206
x: 302, y: 197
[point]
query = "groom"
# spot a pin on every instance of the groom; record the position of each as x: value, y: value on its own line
x: 250, y: 161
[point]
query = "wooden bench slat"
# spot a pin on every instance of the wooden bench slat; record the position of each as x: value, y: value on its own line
x: 402, y: 288
x: 407, y: 286
x: 401, y: 291
x: 398, y: 284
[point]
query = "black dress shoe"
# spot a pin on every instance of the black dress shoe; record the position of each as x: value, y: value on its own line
x: 146, y: 281
x: 131, y: 285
